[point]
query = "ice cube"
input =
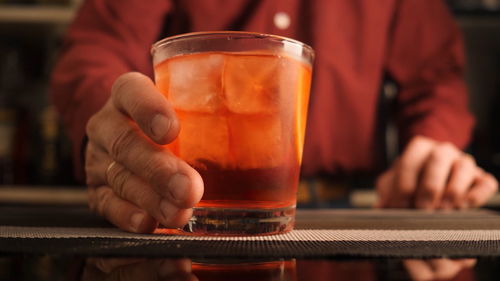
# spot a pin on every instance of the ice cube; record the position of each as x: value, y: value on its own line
x: 258, y: 141
x: 259, y: 83
x: 203, y: 139
x: 195, y: 82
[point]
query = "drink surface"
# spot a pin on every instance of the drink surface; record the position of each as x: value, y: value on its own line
x: 242, y: 121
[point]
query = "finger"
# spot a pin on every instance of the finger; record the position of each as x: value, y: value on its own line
x: 121, y: 213
x: 171, y: 177
x: 419, y: 270
x: 408, y: 168
x: 483, y: 188
x: 171, y: 266
x: 445, y: 269
x: 467, y: 263
x: 96, y: 161
x: 107, y: 265
x: 176, y: 269
x: 145, y: 270
x: 435, y: 175
x: 383, y: 186
x: 136, y: 95
x: 133, y: 189
x: 91, y: 272
x: 461, y: 178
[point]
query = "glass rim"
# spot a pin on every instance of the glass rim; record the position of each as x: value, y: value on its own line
x: 236, y: 34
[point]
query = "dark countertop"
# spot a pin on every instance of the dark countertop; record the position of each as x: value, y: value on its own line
x: 328, y: 244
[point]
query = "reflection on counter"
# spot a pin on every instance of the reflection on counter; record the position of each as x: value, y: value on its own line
x: 95, y: 269
x: 278, y: 270
x: 186, y: 269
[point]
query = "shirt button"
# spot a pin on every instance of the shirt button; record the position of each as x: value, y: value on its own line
x: 282, y: 20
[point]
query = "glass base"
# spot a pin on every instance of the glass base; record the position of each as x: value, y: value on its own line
x: 240, y: 222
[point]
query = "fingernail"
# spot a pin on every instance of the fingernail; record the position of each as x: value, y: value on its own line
x: 159, y: 126
x: 177, y: 187
x: 136, y: 221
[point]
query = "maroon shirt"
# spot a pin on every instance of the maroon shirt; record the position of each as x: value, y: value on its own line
x: 357, y: 43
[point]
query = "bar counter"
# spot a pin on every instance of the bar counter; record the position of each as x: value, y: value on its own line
x: 337, y: 244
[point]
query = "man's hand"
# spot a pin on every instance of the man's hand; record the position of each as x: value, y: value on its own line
x: 132, y: 179
x: 437, y: 269
x: 434, y: 175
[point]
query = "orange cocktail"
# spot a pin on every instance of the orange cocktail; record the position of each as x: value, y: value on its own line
x: 242, y: 114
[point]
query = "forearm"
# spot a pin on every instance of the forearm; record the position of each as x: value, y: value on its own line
x: 426, y: 59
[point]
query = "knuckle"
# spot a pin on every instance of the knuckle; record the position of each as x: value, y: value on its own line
x: 102, y: 199
x: 448, y: 146
x: 123, y: 82
x: 157, y: 166
x: 466, y: 161
x: 492, y: 182
x: 438, y: 154
x: 91, y: 125
x: 444, y: 150
x: 406, y: 163
x: 419, y: 140
x: 118, y: 179
x: 96, y: 121
x: 121, y: 144
x: 467, y: 158
x: 430, y: 189
x: 404, y: 193
x: 91, y: 169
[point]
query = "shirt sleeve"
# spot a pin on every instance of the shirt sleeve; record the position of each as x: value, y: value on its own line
x: 426, y: 60
x: 107, y: 39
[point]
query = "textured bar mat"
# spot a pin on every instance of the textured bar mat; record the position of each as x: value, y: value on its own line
x: 319, y: 234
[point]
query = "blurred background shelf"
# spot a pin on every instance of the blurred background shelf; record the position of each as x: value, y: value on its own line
x: 43, y: 195
x: 36, y: 14
x: 64, y: 14
x: 367, y: 199
x: 77, y: 195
